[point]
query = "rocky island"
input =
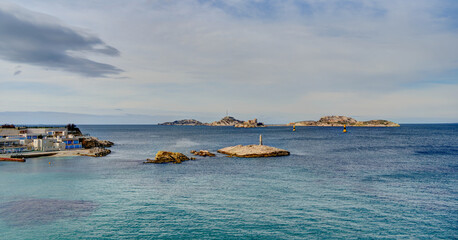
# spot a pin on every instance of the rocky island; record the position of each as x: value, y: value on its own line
x: 226, y: 121
x: 184, y: 122
x: 339, y: 121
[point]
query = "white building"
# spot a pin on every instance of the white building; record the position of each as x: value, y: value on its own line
x: 48, y: 144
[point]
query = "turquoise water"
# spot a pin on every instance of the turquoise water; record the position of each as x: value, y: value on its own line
x: 388, y: 183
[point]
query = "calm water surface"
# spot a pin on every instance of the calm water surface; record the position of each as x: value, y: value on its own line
x: 388, y: 183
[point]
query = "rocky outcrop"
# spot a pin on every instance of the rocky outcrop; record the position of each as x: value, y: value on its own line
x: 97, y: 152
x: 168, y: 157
x: 253, y: 151
x: 249, y: 124
x: 226, y: 121
x: 93, y: 142
x: 184, y: 122
x: 203, y: 153
x: 339, y: 121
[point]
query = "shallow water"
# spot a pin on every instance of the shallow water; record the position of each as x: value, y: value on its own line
x: 369, y: 183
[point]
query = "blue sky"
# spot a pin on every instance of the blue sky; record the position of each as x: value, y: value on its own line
x: 279, y: 61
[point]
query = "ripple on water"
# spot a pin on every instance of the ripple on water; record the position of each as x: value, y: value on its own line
x: 43, y: 211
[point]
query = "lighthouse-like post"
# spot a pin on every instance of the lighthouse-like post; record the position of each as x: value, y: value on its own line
x: 260, y: 139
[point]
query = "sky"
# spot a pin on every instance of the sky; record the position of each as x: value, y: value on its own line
x: 145, y: 61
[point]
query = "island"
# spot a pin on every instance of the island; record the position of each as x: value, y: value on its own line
x: 184, y: 122
x: 326, y: 121
x: 227, y: 121
x: 340, y: 121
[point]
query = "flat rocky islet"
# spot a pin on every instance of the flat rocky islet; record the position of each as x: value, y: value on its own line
x: 253, y: 151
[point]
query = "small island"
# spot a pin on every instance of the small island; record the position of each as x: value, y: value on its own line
x: 227, y: 121
x: 340, y: 121
x: 184, y: 122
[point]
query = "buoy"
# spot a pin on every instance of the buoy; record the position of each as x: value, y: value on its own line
x: 345, y: 128
x: 294, y: 128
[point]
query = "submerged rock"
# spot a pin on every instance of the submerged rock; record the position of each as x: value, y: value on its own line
x: 203, y: 153
x: 252, y: 151
x: 32, y: 212
x: 168, y: 157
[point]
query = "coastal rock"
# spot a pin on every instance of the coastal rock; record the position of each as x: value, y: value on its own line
x: 226, y: 121
x: 168, y: 157
x: 184, y: 122
x: 97, y: 152
x: 249, y: 124
x: 203, y: 153
x: 252, y: 151
x: 92, y: 142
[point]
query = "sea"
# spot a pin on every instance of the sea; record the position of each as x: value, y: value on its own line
x: 368, y: 183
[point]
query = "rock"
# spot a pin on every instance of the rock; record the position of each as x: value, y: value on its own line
x: 252, y: 151
x: 184, y: 122
x: 226, y: 121
x: 168, y: 157
x: 97, y: 152
x: 203, y: 153
x: 250, y: 124
x: 92, y: 142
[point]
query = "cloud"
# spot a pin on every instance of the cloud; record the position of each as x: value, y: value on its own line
x: 38, y: 39
x: 283, y: 59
